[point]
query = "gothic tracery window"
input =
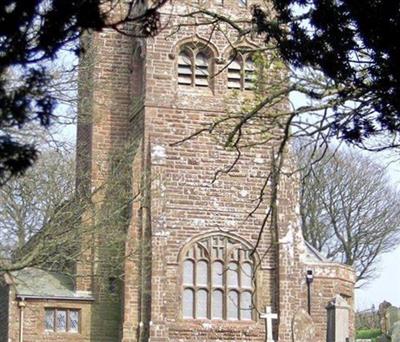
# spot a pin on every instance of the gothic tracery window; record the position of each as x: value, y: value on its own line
x: 194, y: 65
x: 241, y: 72
x: 218, y: 280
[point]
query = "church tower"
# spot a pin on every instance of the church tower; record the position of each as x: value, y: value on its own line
x: 201, y: 257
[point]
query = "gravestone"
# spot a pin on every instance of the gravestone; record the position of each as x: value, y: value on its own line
x: 396, y: 332
x: 381, y: 313
x: 338, y: 320
x: 392, y: 315
x: 303, y: 329
x: 269, y: 317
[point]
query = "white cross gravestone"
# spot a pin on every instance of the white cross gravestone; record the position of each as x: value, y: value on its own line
x: 269, y: 316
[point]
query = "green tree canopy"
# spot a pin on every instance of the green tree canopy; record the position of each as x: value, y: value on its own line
x: 355, y: 45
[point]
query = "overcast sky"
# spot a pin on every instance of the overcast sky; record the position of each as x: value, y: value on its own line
x: 387, y: 285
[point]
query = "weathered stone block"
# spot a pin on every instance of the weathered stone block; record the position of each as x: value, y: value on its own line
x: 303, y: 328
x: 392, y: 315
x: 395, y: 336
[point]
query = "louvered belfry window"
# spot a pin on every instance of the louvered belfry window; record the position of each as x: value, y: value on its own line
x: 201, y: 73
x: 249, y: 74
x: 194, y: 66
x: 185, y: 69
x: 241, y: 72
x: 235, y: 74
x: 218, y: 280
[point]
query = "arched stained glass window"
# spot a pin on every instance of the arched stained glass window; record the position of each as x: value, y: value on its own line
x: 218, y: 280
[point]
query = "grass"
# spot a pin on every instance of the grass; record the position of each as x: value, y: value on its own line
x: 368, y: 333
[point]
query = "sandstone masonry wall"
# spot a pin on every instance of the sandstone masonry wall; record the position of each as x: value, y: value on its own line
x: 34, y: 315
x: 137, y: 102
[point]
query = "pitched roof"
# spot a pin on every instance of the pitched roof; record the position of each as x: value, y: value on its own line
x: 312, y: 255
x: 37, y: 283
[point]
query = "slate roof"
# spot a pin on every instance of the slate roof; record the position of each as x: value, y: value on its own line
x: 37, y: 283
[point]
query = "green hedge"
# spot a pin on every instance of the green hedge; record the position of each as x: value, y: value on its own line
x: 368, y: 333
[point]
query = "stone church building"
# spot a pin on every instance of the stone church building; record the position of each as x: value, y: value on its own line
x: 197, y: 266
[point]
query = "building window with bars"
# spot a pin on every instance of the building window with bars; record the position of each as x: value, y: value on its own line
x: 194, y: 66
x: 62, y: 320
x: 218, y: 280
x: 241, y: 72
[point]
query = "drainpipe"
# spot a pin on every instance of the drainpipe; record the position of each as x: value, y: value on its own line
x: 21, y: 305
x: 309, y: 280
